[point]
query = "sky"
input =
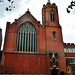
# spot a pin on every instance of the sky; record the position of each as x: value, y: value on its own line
x: 66, y: 20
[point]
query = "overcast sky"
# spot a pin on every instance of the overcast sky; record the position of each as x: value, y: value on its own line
x: 67, y: 21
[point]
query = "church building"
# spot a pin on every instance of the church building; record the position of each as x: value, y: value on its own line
x: 34, y: 49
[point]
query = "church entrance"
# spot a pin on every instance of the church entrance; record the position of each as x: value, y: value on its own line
x: 54, y: 72
x: 62, y: 73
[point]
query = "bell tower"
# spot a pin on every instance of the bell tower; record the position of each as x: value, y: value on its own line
x: 50, y: 14
x: 54, y: 40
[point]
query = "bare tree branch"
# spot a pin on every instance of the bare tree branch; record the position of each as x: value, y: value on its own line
x: 72, y: 4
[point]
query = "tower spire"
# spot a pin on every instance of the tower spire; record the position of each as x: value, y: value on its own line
x: 48, y: 1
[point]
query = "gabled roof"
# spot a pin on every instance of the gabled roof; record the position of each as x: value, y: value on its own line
x: 29, y: 13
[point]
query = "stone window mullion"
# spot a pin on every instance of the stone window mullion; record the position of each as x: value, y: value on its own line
x: 20, y: 41
x: 25, y: 41
x: 30, y: 42
x: 33, y: 41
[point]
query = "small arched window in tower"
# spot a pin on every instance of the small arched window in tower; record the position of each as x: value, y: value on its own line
x: 52, y: 16
x: 54, y: 35
x: 26, y: 41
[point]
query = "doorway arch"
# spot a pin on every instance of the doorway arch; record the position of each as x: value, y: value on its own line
x: 54, y: 72
x: 62, y: 73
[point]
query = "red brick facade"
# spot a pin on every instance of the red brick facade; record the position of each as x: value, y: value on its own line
x: 36, y: 63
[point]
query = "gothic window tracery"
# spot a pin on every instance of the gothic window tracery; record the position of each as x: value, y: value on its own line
x: 26, y: 41
x: 53, y: 58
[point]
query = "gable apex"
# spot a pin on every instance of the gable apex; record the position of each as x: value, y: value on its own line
x: 28, y: 15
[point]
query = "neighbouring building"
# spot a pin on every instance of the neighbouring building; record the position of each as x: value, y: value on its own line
x: 0, y: 44
x: 34, y: 49
x: 0, y: 38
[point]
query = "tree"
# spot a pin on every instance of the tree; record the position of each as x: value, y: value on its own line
x: 10, y: 7
x: 72, y: 4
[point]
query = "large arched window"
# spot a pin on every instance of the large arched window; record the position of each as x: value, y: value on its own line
x: 52, y: 16
x: 26, y: 40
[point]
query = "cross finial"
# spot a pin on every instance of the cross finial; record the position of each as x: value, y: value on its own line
x: 48, y: 1
x: 28, y: 9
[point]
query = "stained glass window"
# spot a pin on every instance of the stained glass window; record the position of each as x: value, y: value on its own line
x: 26, y: 41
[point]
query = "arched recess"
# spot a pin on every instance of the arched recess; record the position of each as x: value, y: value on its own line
x: 54, y: 35
x: 26, y: 38
x: 54, y: 72
x: 62, y: 73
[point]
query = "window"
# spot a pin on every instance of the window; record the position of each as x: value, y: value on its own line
x: 65, y: 50
x: 68, y: 69
x: 53, y: 54
x: 62, y: 73
x: 50, y: 55
x: 54, y: 35
x: 70, y: 60
x: 73, y: 50
x: 26, y: 41
x: 56, y: 55
x: 52, y: 16
x: 69, y: 50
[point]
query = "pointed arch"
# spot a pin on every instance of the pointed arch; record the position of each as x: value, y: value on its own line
x: 54, y: 72
x: 26, y: 41
x: 62, y: 73
x: 54, y: 35
x: 52, y: 16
